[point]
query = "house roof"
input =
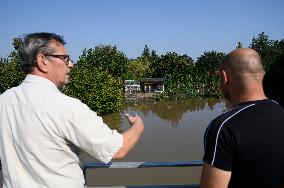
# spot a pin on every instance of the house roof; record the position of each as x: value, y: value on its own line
x: 153, y: 80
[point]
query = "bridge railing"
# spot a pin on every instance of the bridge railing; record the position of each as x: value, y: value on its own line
x: 126, y: 165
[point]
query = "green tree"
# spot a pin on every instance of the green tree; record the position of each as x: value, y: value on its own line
x: 146, y: 52
x: 105, y: 58
x: 177, y: 70
x: 240, y: 45
x: 278, y: 48
x: 98, y: 89
x: 170, y: 63
x: 97, y: 79
x: 138, y: 69
x: 150, y: 58
x: 205, y: 76
x: 11, y: 74
x: 210, y: 60
x: 149, y: 55
x: 268, y: 49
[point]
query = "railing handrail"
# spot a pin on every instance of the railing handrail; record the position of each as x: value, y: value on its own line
x: 146, y: 165
x: 143, y: 164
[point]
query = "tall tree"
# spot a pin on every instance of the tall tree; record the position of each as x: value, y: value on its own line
x: 240, y: 45
x: 138, y: 69
x: 97, y: 79
x: 11, y: 73
x: 268, y: 49
x: 146, y: 52
x: 105, y: 58
x: 210, y: 60
x: 170, y: 63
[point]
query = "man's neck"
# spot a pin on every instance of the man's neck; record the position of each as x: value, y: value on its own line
x: 247, y: 98
x: 44, y: 75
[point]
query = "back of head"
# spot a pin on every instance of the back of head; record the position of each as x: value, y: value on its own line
x: 243, y: 65
x: 273, y: 81
x: 32, y: 45
x: 241, y: 75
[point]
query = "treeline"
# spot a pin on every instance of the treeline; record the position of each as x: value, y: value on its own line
x: 98, y: 76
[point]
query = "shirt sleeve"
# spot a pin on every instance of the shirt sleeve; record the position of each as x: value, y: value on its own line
x: 87, y: 131
x: 219, y: 146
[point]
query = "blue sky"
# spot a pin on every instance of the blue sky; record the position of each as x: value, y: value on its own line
x: 184, y: 26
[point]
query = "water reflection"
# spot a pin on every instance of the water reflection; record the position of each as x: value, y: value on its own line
x: 171, y: 111
x: 173, y: 132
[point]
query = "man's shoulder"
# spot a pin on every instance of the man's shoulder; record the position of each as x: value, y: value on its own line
x: 222, y: 118
x: 8, y: 93
x: 71, y: 103
x: 225, y: 118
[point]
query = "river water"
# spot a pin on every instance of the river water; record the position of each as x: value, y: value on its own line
x: 173, y: 132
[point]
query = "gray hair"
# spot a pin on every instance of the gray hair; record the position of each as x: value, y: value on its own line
x: 32, y: 45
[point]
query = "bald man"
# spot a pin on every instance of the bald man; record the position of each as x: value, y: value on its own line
x: 244, y: 147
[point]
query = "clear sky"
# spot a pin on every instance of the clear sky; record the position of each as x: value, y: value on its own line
x: 184, y: 26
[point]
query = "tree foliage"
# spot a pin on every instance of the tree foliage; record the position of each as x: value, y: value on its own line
x: 98, y: 89
x: 105, y: 58
x: 146, y: 52
x: 269, y: 50
x: 170, y: 63
x: 97, y: 78
x: 240, y: 45
x: 138, y: 69
x: 11, y: 74
x: 210, y: 60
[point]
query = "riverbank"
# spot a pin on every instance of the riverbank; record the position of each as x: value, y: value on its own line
x: 140, y: 96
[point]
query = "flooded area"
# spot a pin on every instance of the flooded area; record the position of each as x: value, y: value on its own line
x: 173, y: 132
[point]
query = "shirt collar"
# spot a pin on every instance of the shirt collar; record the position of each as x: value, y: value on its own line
x: 34, y: 79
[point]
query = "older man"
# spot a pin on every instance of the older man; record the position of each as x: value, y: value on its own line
x: 37, y: 122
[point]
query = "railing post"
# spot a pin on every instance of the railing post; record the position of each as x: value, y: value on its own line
x: 85, y: 174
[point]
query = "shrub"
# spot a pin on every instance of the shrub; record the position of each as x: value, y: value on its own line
x: 98, y: 89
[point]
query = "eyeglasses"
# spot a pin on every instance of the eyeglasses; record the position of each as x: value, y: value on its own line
x: 65, y: 58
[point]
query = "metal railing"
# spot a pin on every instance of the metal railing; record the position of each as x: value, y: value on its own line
x: 145, y: 165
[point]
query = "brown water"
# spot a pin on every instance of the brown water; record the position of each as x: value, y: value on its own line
x: 173, y: 132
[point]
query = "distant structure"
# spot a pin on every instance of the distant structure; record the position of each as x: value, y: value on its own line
x: 153, y: 85
x: 131, y: 86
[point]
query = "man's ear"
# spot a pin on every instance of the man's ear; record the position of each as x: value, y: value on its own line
x: 225, y: 78
x: 42, y: 63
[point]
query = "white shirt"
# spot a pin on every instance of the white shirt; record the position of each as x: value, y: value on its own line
x: 36, y: 121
